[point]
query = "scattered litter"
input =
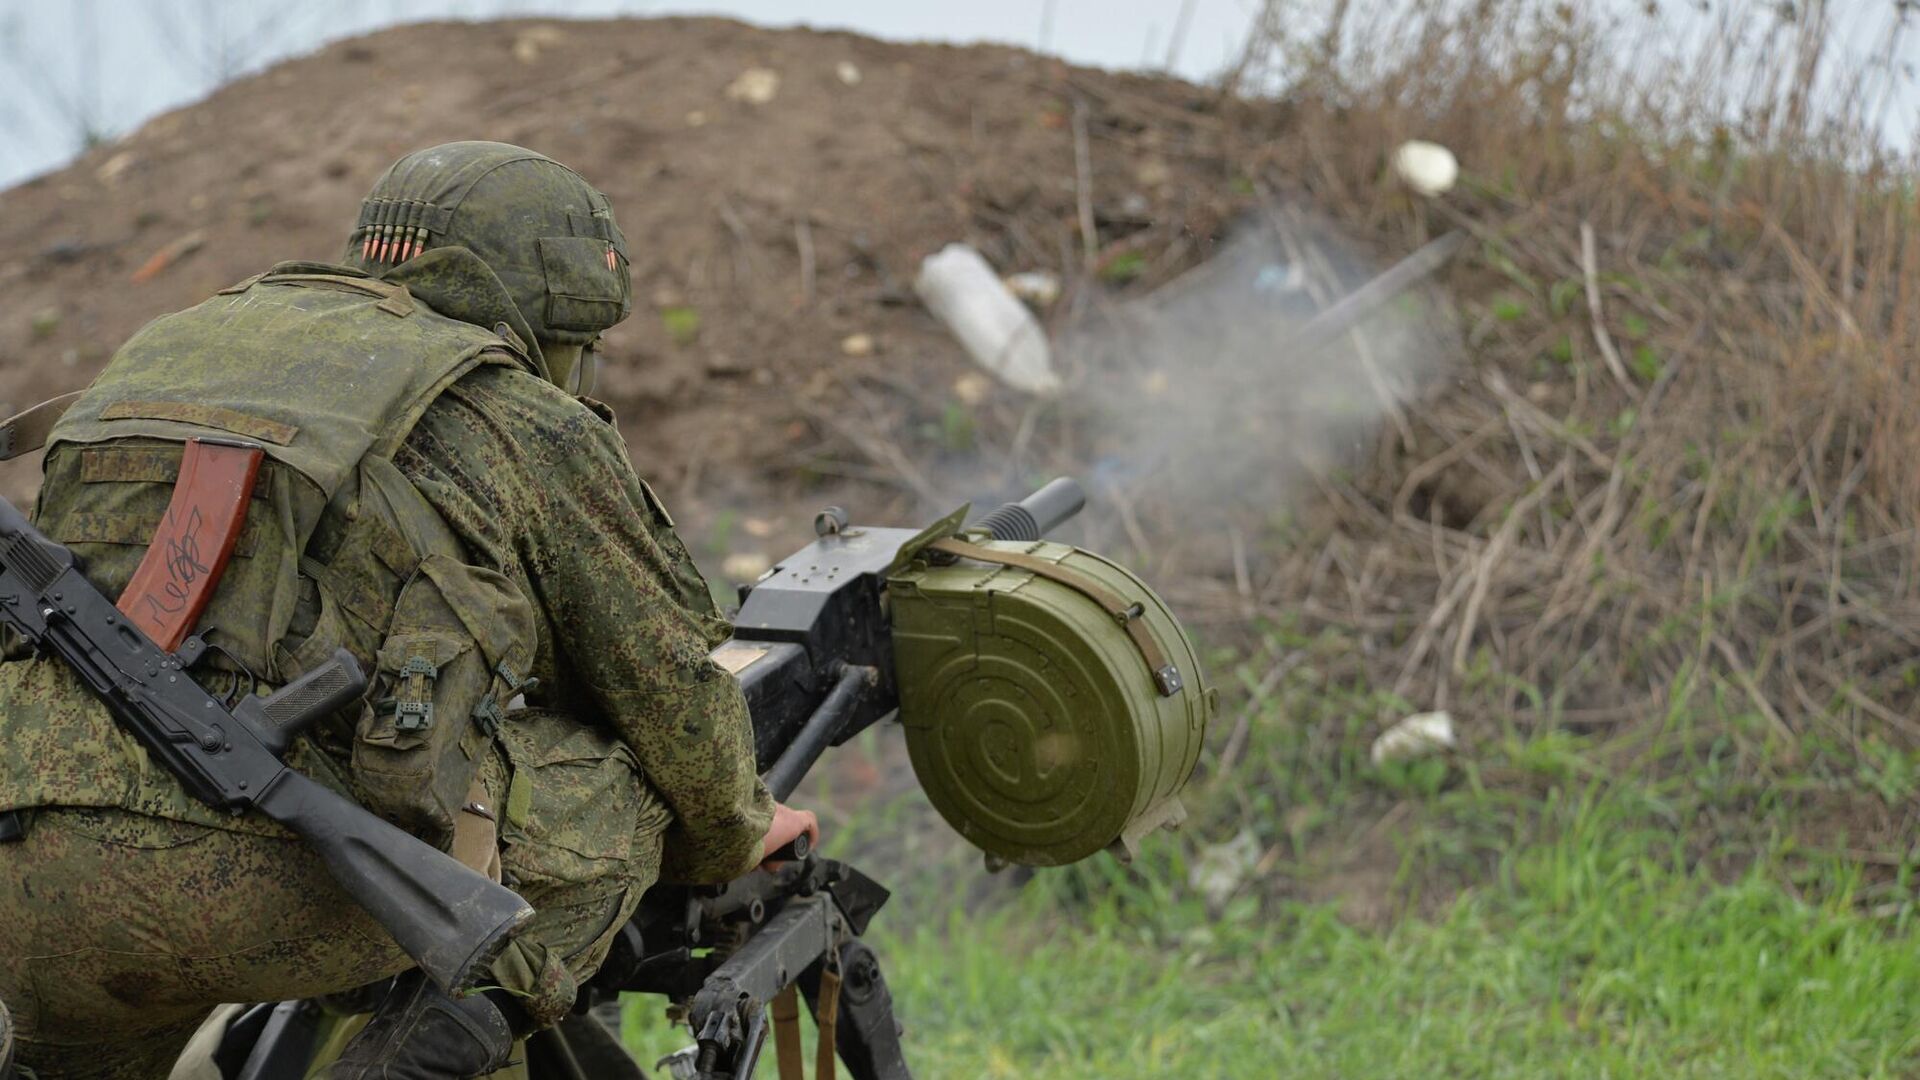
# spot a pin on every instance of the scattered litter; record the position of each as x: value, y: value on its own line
x: 529, y: 43
x: 113, y: 168
x: 857, y: 345
x: 972, y: 388
x: 1418, y: 736
x: 1222, y: 868
x: 993, y: 326
x: 755, y: 86
x: 168, y: 255
x: 1280, y: 277
x: 745, y: 565
x: 1037, y: 287
x: 848, y: 72
x: 1427, y: 168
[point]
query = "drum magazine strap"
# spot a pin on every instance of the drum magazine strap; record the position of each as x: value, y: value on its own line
x: 1129, y: 616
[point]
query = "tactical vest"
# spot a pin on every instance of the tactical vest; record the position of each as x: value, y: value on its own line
x: 327, y: 371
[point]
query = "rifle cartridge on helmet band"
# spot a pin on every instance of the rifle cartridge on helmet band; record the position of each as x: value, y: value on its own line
x: 545, y: 233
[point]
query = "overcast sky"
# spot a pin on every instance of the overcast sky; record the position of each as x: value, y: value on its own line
x: 73, y: 66
x: 69, y: 65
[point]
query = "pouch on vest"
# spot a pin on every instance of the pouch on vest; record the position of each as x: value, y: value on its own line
x: 339, y: 549
x: 460, y: 642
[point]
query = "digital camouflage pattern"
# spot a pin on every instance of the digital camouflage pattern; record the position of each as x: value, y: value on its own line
x: 140, y: 909
x: 384, y: 577
x: 540, y: 488
x: 123, y: 929
x: 545, y: 233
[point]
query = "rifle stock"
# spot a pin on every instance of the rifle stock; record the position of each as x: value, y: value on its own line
x: 450, y: 920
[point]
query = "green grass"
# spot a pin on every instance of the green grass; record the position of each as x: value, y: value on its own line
x: 1603, y: 950
x: 1555, y: 905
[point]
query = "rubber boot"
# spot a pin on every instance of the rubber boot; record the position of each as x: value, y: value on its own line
x: 419, y: 1033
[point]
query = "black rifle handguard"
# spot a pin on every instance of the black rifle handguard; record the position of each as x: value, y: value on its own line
x: 449, y: 919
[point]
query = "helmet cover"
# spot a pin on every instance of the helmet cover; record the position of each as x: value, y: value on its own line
x: 544, y: 231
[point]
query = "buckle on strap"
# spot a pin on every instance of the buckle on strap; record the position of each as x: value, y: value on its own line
x: 413, y: 707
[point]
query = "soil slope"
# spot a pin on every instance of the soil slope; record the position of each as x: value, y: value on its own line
x: 763, y: 234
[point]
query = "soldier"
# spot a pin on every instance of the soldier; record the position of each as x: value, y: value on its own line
x: 436, y: 499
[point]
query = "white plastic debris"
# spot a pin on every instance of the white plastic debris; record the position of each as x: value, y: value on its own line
x: 1427, y: 168
x: 972, y: 388
x: 755, y: 86
x: 1037, y: 287
x: 1418, y: 736
x: 848, y: 72
x: 1222, y: 868
x: 992, y: 324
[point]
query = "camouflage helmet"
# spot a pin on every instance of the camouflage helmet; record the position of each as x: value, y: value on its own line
x: 544, y: 231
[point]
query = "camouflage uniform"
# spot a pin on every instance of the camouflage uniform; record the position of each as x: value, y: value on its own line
x: 131, y: 909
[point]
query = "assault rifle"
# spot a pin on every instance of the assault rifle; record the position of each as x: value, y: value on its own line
x: 450, y: 920
x: 814, y: 653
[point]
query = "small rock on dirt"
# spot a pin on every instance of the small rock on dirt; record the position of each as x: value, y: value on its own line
x: 745, y: 565
x: 755, y: 86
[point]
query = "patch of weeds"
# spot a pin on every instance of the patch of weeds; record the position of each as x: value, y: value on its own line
x: 682, y: 324
x: 1124, y: 268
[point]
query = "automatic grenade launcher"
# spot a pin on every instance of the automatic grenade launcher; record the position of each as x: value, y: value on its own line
x: 1053, y: 705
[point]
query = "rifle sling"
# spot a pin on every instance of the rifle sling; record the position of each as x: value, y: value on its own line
x: 25, y: 432
x: 1165, y: 676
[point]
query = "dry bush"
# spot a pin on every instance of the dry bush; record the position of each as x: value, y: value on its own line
x: 1671, y: 478
x: 1677, y: 472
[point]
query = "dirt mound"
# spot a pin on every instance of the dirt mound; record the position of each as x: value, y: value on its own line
x: 763, y: 233
x: 1665, y: 508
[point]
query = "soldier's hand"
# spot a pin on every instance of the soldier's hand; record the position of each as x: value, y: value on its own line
x: 788, y: 823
